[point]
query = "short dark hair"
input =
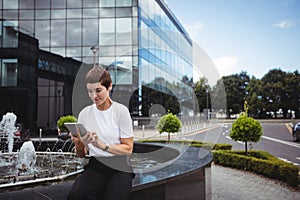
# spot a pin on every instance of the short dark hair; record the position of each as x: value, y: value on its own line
x: 98, y: 74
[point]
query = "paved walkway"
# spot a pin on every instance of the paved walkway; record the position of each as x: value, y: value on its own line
x: 233, y: 184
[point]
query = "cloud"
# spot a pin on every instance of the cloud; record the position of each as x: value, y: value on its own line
x: 193, y: 29
x: 284, y: 24
x: 226, y: 65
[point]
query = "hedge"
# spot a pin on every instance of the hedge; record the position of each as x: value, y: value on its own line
x: 260, y: 162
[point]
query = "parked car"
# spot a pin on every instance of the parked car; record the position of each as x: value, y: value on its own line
x: 296, y: 132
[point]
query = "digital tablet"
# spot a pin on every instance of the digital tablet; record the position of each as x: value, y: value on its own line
x: 73, y: 126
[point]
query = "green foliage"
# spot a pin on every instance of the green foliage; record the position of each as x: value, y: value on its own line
x: 275, y: 90
x: 260, y: 162
x: 202, y: 94
x: 169, y: 123
x: 235, y: 87
x: 246, y: 129
x: 62, y: 120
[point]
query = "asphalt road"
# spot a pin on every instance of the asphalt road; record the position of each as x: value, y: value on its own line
x: 276, y: 139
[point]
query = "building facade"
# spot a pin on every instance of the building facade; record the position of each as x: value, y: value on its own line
x: 148, y: 53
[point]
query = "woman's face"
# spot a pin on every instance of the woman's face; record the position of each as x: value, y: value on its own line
x: 98, y: 93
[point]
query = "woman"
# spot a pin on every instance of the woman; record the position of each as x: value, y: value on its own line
x: 108, y: 141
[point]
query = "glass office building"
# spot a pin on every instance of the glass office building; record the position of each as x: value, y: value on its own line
x: 148, y: 53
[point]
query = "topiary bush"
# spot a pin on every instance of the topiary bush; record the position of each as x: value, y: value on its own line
x: 246, y: 129
x: 62, y: 120
x: 169, y: 123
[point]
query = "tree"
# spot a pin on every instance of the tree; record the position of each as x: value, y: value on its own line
x: 235, y: 87
x: 246, y: 129
x: 274, y: 92
x: 254, y: 97
x: 169, y: 123
x: 292, y: 89
x: 202, y: 94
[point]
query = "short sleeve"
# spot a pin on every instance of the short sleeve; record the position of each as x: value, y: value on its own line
x: 125, y: 123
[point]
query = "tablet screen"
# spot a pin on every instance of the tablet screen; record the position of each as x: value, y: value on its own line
x: 72, y: 127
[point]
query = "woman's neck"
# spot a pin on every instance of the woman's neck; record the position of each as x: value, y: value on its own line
x: 106, y: 105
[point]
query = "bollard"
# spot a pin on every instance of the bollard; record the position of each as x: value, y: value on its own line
x: 143, y: 128
x: 41, y: 135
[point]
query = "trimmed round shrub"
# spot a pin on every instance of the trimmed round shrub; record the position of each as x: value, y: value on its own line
x: 62, y: 120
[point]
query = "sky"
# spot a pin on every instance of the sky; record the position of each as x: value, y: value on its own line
x: 244, y: 35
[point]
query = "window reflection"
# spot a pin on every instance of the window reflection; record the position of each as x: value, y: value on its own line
x: 90, y: 3
x: 58, y: 14
x: 123, y: 50
x: 107, y: 12
x: 10, y: 34
x: 107, y: 31
x: 74, y: 13
x: 123, y: 3
x: 74, y: 33
x: 10, y: 4
x: 9, y: 72
x: 59, y: 51
x: 74, y: 3
x: 90, y: 32
x: 73, y: 52
x: 107, y: 3
x: 90, y: 13
x: 10, y: 14
x: 57, y: 31
x: 124, y: 12
x: 42, y: 4
x: 106, y: 60
x: 58, y: 3
x: 26, y: 4
x: 121, y: 70
x: 42, y: 14
x: 107, y: 50
x: 42, y: 32
x: 26, y: 27
x: 123, y: 25
x: 26, y: 14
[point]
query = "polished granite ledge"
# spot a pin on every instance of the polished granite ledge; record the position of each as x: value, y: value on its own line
x: 187, y: 176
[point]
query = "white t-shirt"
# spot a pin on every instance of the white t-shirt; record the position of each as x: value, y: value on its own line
x: 110, y: 125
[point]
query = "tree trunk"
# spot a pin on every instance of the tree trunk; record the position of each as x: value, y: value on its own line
x: 246, y: 148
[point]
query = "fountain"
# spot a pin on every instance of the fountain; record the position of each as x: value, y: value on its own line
x: 26, y: 157
x: 28, y: 166
x: 42, y: 169
x: 7, y: 129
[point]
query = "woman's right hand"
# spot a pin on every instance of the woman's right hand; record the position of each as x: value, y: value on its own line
x: 87, y: 138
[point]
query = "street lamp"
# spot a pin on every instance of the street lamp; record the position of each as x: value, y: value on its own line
x: 207, y: 103
x: 94, y: 50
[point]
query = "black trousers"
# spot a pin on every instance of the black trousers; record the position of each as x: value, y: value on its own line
x: 103, y: 182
